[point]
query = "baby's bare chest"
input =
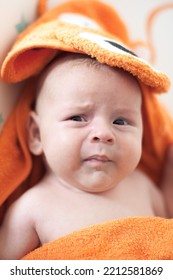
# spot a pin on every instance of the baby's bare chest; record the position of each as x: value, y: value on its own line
x: 64, y: 216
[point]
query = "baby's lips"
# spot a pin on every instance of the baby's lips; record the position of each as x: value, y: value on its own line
x: 102, y: 158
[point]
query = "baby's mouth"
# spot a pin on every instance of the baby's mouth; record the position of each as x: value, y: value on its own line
x: 98, y: 159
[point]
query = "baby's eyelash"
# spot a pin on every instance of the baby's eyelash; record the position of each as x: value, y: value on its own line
x: 120, y: 121
x: 77, y: 118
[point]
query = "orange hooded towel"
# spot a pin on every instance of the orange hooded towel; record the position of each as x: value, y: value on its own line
x: 82, y: 27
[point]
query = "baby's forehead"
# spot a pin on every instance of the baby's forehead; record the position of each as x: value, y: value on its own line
x: 57, y: 69
x: 62, y: 65
x: 73, y: 60
x: 67, y: 61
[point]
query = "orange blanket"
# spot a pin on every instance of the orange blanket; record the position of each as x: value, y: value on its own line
x: 124, y: 239
x: 34, y: 49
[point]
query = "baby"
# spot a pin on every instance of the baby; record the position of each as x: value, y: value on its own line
x: 87, y: 125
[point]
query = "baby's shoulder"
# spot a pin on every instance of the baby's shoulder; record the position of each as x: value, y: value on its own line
x: 139, y: 178
x: 141, y: 182
x: 27, y: 203
x: 33, y: 196
x: 147, y: 183
x: 21, y: 213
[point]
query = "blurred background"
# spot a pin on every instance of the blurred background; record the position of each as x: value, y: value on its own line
x: 149, y: 22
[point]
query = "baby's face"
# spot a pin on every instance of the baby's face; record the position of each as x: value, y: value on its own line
x: 90, y: 125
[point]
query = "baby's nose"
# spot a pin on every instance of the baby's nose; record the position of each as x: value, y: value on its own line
x: 103, y: 133
x: 104, y: 139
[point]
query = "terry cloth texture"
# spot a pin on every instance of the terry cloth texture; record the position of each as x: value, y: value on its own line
x: 124, y: 239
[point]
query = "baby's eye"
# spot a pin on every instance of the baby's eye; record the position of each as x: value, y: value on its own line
x: 120, y: 122
x: 77, y: 119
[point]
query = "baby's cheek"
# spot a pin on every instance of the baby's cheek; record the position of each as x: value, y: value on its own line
x: 135, y: 154
x: 130, y: 156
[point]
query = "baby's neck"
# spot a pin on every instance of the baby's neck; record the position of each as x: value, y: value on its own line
x: 50, y: 179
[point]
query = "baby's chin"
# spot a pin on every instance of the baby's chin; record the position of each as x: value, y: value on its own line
x: 96, y: 182
x: 96, y: 188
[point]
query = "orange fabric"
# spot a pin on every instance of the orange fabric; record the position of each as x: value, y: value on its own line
x: 41, y: 43
x: 124, y: 239
x: 42, y: 7
x: 106, y: 17
x: 19, y: 170
x: 157, y: 136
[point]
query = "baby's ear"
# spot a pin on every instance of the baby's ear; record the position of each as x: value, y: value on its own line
x: 34, y: 140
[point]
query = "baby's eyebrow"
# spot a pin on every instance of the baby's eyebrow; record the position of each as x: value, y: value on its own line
x: 129, y: 110
x: 81, y: 106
